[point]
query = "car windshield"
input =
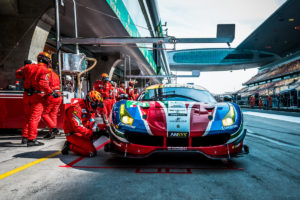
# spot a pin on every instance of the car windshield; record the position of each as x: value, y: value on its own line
x: 176, y: 94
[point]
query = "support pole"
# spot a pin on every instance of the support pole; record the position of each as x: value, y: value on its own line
x: 129, y: 65
x: 58, y: 44
x: 125, y: 68
x: 75, y: 25
x: 85, y: 71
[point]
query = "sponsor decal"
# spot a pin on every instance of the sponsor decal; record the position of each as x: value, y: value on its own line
x: 77, y: 119
x: 126, y: 126
x: 178, y: 134
x: 172, y: 105
x: 137, y: 103
x: 83, y: 110
x: 179, y: 120
x: 229, y: 127
x: 178, y: 117
x: 177, y: 114
x: 178, y: 148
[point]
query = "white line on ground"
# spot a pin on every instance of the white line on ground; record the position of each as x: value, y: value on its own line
x: 251, y: 134
x: 273, y: 116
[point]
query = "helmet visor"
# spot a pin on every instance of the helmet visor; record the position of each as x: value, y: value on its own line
x: 93, y: 105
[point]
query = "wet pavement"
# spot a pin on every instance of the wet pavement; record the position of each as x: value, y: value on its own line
x: 270, y: 171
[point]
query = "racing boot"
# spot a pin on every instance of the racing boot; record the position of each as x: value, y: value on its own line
x: 31, y: 143
x: 55, y: 131
x: 66, y: 148
x: 24, y: 140
x: 51, y: 134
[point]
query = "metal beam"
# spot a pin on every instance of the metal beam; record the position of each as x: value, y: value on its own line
x: 134, y: 40
x: 148, y: 76
x: 161, y: 76
x: 225, y: 34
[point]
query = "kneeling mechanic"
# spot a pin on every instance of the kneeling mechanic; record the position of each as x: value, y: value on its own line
x: 79, y: 125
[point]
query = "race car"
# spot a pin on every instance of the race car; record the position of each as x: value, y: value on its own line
x: 172, y: 118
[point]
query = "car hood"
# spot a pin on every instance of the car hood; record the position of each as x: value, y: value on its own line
x: 178, y: 117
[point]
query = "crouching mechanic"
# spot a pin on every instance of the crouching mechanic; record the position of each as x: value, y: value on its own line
x: 79, y: 125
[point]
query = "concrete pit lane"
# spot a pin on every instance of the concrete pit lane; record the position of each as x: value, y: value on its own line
x: 270, y: 171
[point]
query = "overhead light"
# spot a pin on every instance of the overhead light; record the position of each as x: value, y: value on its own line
x: 268, y: 47
x: 291, y: 20
x: 297, y: 27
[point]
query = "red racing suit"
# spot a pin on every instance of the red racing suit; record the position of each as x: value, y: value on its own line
x: 106, y: 90
x: 77, y: 128
x: 252, y: 101
x: 51, y: 104
x: 269, y: 101
x: 115, y: 94
x: 260, y: 103
x: 136, y: 93
x: 130, y: 93
x: 26, y: 73
x: 41, y: 87
x: 121, y: 90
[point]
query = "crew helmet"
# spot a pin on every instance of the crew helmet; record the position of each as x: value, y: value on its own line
x: 93, y: 100
x: 104, y: 76
x: 44, y: 57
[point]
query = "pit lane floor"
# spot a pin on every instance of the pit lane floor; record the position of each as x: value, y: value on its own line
x: 270, y: 171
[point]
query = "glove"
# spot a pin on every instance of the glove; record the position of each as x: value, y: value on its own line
x: 90, y: 133
x: 95, y: 128
x: 99, y: 120
x: 106, y: 122
x: 100, y: 105
x: 55, y: 95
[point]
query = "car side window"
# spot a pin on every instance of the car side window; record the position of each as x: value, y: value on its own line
x: 141, y: 97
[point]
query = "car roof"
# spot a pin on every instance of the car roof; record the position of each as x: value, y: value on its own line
x: 197, y: 87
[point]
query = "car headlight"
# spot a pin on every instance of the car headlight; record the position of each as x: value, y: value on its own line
x: 229, y: 118
x: 125, y: 116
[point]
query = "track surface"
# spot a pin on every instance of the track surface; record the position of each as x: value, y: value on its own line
x: 270, y: 171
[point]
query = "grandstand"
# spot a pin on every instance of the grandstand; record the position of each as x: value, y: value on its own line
x: 281, y: 82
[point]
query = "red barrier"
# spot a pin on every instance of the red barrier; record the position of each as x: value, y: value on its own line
x: 12, y: 111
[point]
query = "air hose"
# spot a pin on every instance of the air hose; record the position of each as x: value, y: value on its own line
x: 80, y: 74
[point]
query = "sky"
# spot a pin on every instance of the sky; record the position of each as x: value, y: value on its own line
x: 199, y: 18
